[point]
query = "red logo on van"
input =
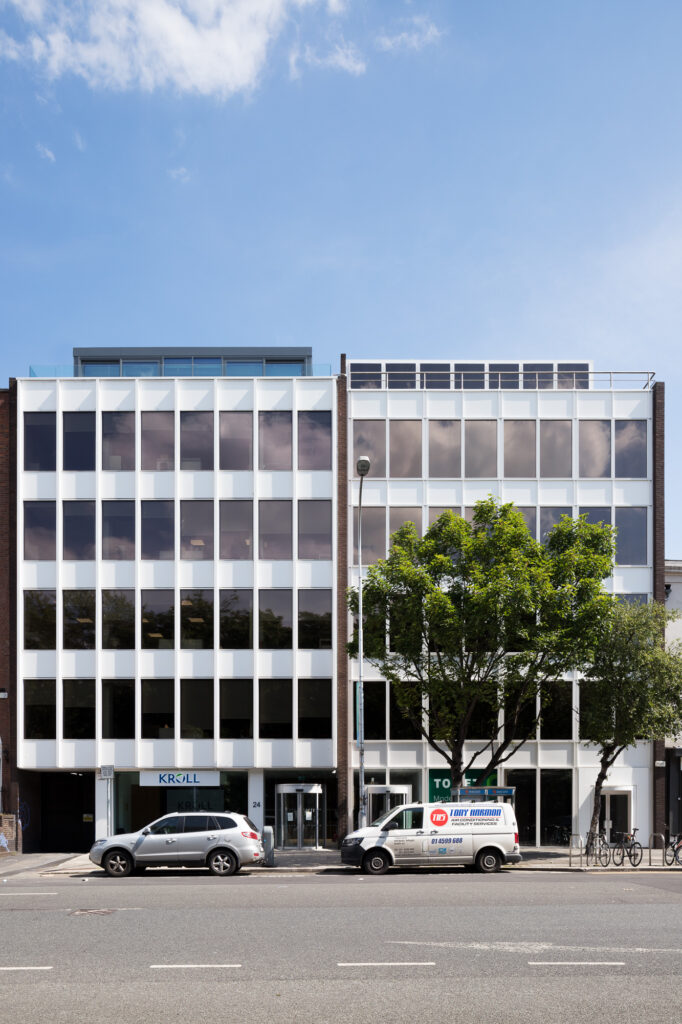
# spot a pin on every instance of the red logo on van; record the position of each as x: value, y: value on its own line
x: 439, y: 817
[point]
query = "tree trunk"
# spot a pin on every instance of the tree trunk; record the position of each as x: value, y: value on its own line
x: 607, y: 759
x: 456, y: 766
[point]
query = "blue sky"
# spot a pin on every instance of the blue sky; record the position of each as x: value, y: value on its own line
x: 493, y: 179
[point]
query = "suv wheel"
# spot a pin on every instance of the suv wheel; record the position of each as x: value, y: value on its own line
x: 222, y: 862
x: 118, y: 863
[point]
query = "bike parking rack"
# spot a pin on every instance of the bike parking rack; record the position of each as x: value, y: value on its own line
x: 581, y: 848
x: 659, y: 835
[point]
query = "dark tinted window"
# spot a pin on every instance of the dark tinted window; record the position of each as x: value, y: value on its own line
x: 158, y: 530
x: 40, y: 620
x: 158, y: 718
x: 158, y: 619
x: 401, y: 728
x: 596, y: 515
x: 118, y: 709
x: 40, y: 531
x: 631, y: 539
x: 274, y: 538
x: 79, y: 440
x: 365, y: 375
x: 549, y: 517
x: 157, y: 440
x: 118, y: 620
x: 199, y: 823
x: 275, y: 709
x: 236, y: 530
x: 79, y: 620
x: 435, y: 376
x: 373, y: 534
x: 538, y: 375
x: 556, y: 704
x: 315, y: 530
x: 236, y: 619
x: 630, y: 444
x: 274, y: 440
x: 275, y: 619
x: 503, y: 375
x: 196, y: 440
x: 118, y: 530
x: 40, y: 441
x: 567, y: 377
x: 401, y: 376
x: 196, y: 531
x: 79, y: 709
x: 167, y: 827
x: 470, y: 376
x: 196, y: 620
x: 223, y: 823
x: 118, y: 440
x: 40, y: 709
x: 314, y: 709
x: 236, y: 440
x: 236, y: 710
x: 314, y: 619
x: 375, y: 710
x: 79, y: 530
x: 315, y: 440
x: 196, y: 709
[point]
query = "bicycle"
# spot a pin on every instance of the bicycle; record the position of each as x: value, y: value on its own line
x: 597, y: 849
x: 673, y: 850
x: 627, y: 844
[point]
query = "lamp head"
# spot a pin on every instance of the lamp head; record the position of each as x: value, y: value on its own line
x: 362, y: 465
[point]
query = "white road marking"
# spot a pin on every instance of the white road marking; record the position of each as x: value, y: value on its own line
x: 576, y: 963
x: 188, y: 967
x: 390, y: 963
x: 25, y: 968
x: 9, y: 892
x: 535, y: 947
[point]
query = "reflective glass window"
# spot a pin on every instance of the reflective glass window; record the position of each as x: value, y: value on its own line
x: 633, y: 598
x: 40, y: 441
x: 275, y: 709
x: 399, y: 515
x: 315, y: 530
x: 436, y: 511
x: 315, y: 440
x: 158, y: 709
x: 469, y: 376
x: 157, y: 441
x: 118, y: 709
x: 631, y: 539
x: 236, y: 619
x: 373, y: 534
x: 118, y: 530
x: 365, y: 375
x: 158, y: 620
x: 177, y: 367
x: 236, y: 709
x: 400, y: 727
x: 595, y: 515
x: 630, y: 445
x: 208, y: 367
x: 524, y: 781
x: 244, y: 369
x: 594, y: 439
x: 519, y: 448
x: 274, y: 530
x: 79, y: 620
x: 401, y: 376
x: 434, y: 376
x: 118, y: 440
x: 480, y: 441
x: 140, y: 368
x: 314, y: 620
x: 556, y: 711
x: 556, y: 806
x: 196, y: 620
x: 40, y: 620
x: 369, y: 438
x: 158, y: 530
x: 78, y: 441
x: 196, y: 440
x: 538, y: 376
x: 405, y: 437
x: 78, y: 709
x: 274, y: 440
x: 79, y: 530
x: 112, y: 369
x: 40, y: 709
x: 236, y: 530
x: 118, y: 620
x: 530, y: 514
x: 549, y: 517
x: 314, y: 709
x: 236, y: 440
x: 374, y: 693
x: 196, y: 709
x: 40, y: 526
x: 568, y: 378
x: 283, y: 369
x: 275, y: 619
x: 556, y: 448
x: 504, y: 376
x: 445, y: 448
x: 196, y: 531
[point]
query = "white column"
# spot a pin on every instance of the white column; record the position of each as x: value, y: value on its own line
x: 256, y: 808
x: 104, y: 808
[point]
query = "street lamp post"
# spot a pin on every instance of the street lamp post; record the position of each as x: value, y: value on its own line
x: 362, y: 467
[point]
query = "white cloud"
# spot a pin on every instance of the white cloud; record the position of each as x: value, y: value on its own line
x: 45, y: 153
x: 342, y: 57
x: 180, y: 174
x: 79, y: 142
x: 208, y: 47
x: 420, y: 32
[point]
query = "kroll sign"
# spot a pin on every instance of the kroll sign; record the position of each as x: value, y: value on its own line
x: 173, y: 779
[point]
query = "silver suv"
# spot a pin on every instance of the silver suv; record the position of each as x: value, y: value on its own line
x: 221, y: 842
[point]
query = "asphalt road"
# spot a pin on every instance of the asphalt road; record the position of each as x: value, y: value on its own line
x: 518, y: 946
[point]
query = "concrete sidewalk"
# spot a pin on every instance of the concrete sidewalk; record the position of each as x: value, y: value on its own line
x: 318, y: 862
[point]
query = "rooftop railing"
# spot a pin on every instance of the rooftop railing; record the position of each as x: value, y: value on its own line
x: 373, y: 377
x: 106, y: 371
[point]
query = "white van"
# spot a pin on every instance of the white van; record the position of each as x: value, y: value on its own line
x: 483, y: 834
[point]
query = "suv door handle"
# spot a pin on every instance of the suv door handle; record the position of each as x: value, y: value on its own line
x: 211, y: 837
x: 170, y: 841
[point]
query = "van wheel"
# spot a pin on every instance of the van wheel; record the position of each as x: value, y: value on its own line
x: 375, y: 863
x: 488, y: 861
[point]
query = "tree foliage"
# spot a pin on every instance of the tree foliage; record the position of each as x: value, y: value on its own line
x: 633, y: 688
x: 480, y: 617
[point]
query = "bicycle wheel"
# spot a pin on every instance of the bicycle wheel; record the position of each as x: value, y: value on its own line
x: 678, y: 854
x: 618, y: 854
x: 669, y: 854
x: 604, y: 855
x: 635, y: 853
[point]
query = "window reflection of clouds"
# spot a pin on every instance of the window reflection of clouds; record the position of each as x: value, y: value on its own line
x: 631, y: 539
x: 373, y: 535
x: 556, y: 448
x: 480, y: 438
x: 630, y: 444
x: 594, y: 438
x: 398, y: 516
x: 274, y: 440
x: 549, y: 517
x: 315, y: 529
x: 406, y: 448
x: 275, y: 534
x: 369, y: 438
x: 445, y: 448
x: 157, y: 441
x: 236, y: 440
x: 315, y: 440
x: 519, y: 448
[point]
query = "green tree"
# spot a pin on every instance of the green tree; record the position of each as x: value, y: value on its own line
x: 633, y: 689
x: 481, y: 617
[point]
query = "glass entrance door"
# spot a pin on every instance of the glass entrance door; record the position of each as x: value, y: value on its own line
x: 300, y: 816
x: 614, y: 816
x: 381, y: 798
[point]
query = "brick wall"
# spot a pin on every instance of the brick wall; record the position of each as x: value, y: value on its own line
x: 342, y: 739
x: 5, y: 673
x: 659, y: 800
